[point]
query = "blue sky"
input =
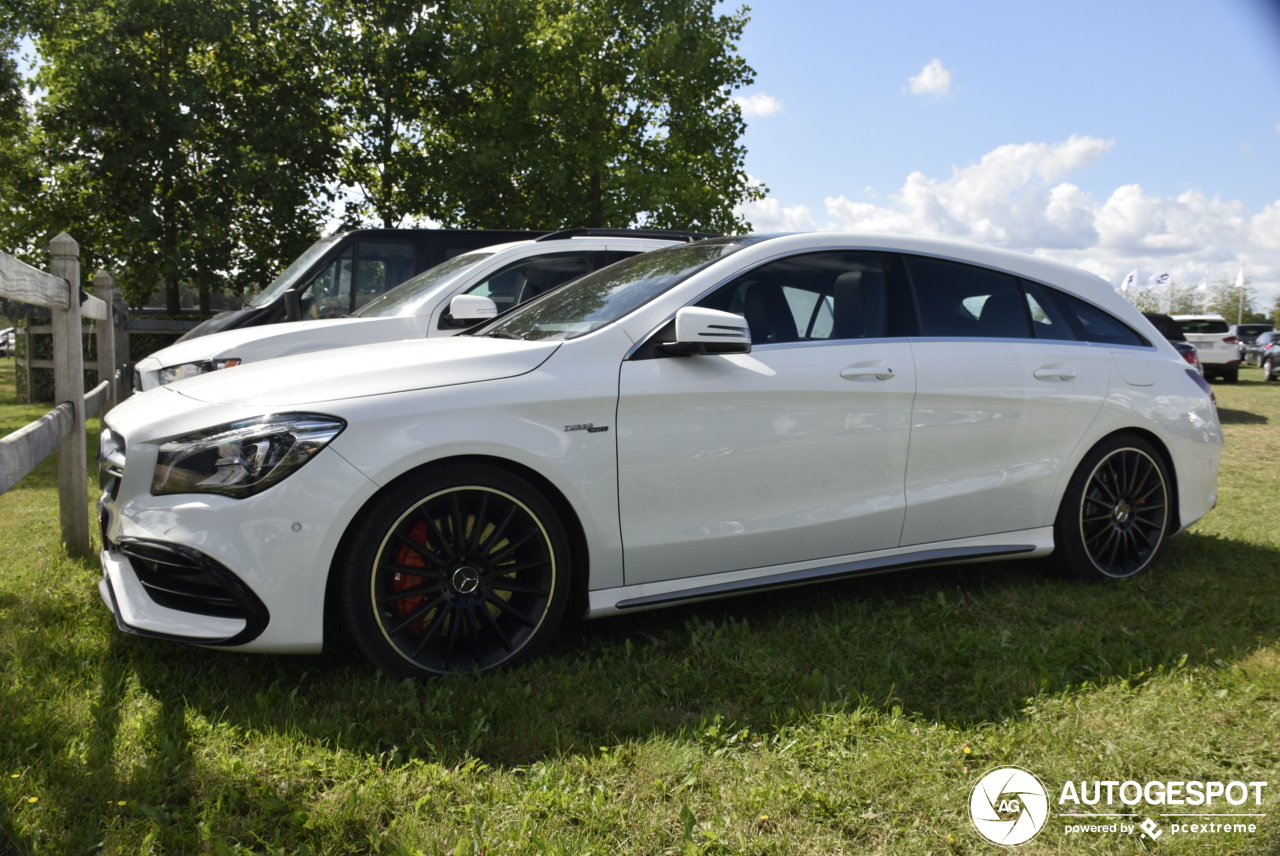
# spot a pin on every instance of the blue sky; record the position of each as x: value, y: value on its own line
x: 1112, y: 135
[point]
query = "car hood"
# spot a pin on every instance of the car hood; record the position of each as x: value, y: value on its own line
x: 275, y: 340
x: 368, y: 370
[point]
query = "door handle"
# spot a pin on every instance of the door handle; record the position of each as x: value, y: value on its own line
x: 881, y: 372
x: 1058, y: 372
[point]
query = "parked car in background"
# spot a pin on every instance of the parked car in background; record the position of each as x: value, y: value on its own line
x: 339, y: 274
x: 1258, y: 347
x: 1267, y: 354
x: 443, y: 301
x: 1173, y: 332
x: 1215, y: 344
x: 8, y: 341
x: 1246, y: 335
x: 708, y: 419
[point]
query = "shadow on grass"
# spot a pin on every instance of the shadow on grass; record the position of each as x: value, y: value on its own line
x: 1240, y: 417
x: 959, y: 645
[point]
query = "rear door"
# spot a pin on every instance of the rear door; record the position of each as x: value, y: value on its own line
x: 1004, y: 394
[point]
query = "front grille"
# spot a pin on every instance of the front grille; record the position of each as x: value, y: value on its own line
x: 181, y: 578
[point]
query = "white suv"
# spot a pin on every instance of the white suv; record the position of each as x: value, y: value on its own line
x: 441, y: 301
x: 1215, y: 344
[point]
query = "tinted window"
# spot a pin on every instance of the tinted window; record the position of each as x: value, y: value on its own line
x: 809, y: 297
x: 958, y: 300
x: 381, y: 265
x: 527, y: 278
x: 1203, y: 325
x: 1092, y: 324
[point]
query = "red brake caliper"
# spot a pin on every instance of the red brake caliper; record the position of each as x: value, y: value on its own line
x: 404, y: 582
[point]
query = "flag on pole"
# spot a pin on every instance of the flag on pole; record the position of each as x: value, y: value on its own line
x: 1162, y: 279
x: 1129, y: 281
x: 1203, y: 287
x: 1240, y: 279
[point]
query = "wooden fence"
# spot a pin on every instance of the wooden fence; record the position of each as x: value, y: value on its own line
x: 62, y: 429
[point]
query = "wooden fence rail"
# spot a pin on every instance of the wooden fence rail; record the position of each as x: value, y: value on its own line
x: 62, y: 429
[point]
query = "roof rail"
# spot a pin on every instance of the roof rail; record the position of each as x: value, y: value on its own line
x: 665, y: 234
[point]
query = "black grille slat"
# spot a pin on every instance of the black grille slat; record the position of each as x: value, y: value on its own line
x: 180, y: 580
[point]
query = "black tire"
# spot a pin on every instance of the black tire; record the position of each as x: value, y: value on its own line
x: 1231, y: 375
x: 460, y: 568
x: 1116, y: 513
x: 1268, y: 370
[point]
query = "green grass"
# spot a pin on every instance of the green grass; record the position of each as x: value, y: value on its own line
x: 844, y: 718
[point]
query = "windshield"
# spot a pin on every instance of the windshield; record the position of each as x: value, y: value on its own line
x: 300, y: 266
x: 414, y: 295
x: 590, y: 302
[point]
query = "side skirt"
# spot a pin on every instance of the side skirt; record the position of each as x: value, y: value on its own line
x: 604, y: 602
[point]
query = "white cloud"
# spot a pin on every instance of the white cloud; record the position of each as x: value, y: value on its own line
x: 1018, y: 197
x: 759, y: 104
x: 768, y: 215
x: 933, y: 80
x: 1009, y: 198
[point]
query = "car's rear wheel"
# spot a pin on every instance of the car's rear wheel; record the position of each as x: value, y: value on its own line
x: 1268, y: 370
x: 1116, y: 513
x: 1231, y: 375
x: 463, y: 568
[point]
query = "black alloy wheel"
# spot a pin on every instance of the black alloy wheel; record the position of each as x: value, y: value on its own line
x: 1116, y: 513
x: 466, y: 569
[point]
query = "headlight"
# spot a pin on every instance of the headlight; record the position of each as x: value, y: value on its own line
x: 242, y: 458
x: 171, y: 373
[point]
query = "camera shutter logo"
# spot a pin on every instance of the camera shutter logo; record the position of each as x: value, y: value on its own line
x: 1009, y: 806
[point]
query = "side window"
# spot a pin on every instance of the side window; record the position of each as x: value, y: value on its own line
x: 515, y: 283
x: 1047, y: 321
x: 811, y: 297
x: 959, y: 300
x: 1093, y: 324
x: 381, y: 266
x: 329, y: 294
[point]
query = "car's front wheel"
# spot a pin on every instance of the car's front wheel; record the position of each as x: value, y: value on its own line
x: 1116, y: 513
x: 1268, y: 370
x: 459, y: 568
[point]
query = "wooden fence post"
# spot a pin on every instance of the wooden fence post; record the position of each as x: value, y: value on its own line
x: 68, y: 386
x: 106, y: 336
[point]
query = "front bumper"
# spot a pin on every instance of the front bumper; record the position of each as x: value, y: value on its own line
x: 249, y: 574
x: 178, y: 594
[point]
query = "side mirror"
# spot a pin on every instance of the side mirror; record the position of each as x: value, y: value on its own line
x: 292, y: 305
x: 708, y: 331
x: 466, y: 310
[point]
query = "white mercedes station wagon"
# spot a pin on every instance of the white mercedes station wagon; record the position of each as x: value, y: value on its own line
x: 727, y: 416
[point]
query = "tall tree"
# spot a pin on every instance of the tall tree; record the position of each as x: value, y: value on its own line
x: 1231, y: 298
x: 385, y: 58
x: 185, y: 137
x: 19, y: 170
x: 593, y: 113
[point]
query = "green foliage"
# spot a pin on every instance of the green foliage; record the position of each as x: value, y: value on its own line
x: 384, y: 59
x: 203, y: 141
x: 1231, y: 301
x: 168, y: 142
x: 19, y: 169
x: 594, y: 113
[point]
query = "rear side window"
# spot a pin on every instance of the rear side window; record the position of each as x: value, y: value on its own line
x: 1093, y: 324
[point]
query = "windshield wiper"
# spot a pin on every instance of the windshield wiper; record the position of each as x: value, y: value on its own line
x: 503, y: 334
